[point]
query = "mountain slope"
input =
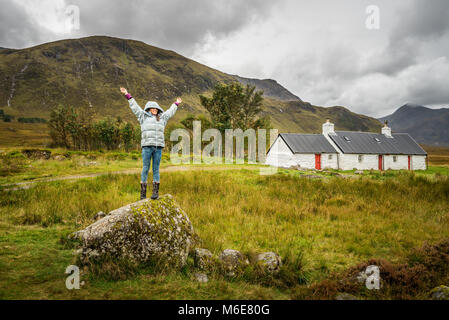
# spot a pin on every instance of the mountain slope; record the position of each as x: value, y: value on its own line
x: 89, y: 72
x: 425, y: 125
x: 270, y: 88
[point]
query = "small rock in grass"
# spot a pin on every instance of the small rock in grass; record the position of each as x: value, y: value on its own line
x: 440, y: 293
x: 201, y: 277
x: 77, y: 252
x: 202, y: 259
x: 100, y: 215
x: 233, y: 261
x: 270, y: 261
x: 345, y: 296
x: 59, y: 158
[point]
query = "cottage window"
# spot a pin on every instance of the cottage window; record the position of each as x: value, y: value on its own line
x: 395, y: 158
x: 360, y: 158
x: 330, y: 157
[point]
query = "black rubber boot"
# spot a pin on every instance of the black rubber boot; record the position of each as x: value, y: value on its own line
x: 143, y: 190
x: 155, y: 194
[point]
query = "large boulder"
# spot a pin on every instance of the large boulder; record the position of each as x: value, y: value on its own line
x: 140, y: 232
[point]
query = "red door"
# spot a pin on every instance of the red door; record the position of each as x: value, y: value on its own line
x: 318, y: 161
x: 409, y: 162
x: 381, y: 158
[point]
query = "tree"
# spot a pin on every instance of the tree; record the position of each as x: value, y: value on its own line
x: 59, y: 125
x: 108, y: 132
x: 233, y: 106
x: 127, y: 135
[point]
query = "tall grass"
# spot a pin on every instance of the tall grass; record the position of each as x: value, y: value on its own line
x: 332, y: 223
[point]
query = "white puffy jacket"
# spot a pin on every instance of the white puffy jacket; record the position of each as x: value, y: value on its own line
x: 152, y: 130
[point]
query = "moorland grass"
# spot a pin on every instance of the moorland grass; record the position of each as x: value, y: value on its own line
x: 319, y: 226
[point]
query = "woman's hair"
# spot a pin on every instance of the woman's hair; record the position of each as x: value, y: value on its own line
x: 157, y: 116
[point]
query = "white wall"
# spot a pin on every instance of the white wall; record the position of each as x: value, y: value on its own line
x: 327, y: 163
x: 280, y: 155
x: 419, y: 163
x: 305, y: 161
x: 400, y: 164
x: 350, y: 161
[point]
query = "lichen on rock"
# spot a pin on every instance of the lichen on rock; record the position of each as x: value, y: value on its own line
x: 270, y: 262
x: 203, y: 259
x: 140, y: 232
x: 233, y: 262
x: 440, y: 293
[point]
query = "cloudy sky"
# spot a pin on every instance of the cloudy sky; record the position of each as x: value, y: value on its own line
x: 320, y: 50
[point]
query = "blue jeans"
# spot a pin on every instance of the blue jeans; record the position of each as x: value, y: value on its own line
x: 149, y: 153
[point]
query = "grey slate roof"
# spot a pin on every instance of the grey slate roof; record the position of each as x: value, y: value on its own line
x: 307, y: 143
x: 365, y: 143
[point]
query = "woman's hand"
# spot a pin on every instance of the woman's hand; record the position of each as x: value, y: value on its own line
x: 178, y: 100
x: 123, y: 90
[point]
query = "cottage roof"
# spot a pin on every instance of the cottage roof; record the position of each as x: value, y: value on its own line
x: 376, y: 143
x: 307, y: 143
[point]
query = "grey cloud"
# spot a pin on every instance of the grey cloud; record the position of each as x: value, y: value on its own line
x: 421, y: 20
x: 177, y: 24
x: 16, y: 28
x: 417, y: 24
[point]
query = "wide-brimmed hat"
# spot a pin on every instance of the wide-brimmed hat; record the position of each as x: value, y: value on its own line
x: 153, y: 105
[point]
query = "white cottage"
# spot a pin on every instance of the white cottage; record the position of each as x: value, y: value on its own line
x: 347, y: 150
x: 308, y: 151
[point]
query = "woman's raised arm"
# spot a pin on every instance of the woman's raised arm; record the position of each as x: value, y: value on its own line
x: 171, y: 112
x: 137, y: 110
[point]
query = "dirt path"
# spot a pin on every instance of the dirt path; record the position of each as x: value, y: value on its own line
x: 29, y: 184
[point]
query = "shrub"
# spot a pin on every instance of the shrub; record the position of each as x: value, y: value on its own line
x: 11, y: 163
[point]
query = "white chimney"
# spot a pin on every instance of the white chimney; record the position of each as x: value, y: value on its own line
x: 328, y: 128
x: 386, y: 130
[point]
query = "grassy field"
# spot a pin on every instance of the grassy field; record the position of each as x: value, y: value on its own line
x: 438, y: 156
x: 319, y: 223
x: 23, y: 134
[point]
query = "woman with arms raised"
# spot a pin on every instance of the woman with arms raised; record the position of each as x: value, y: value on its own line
x: 152, y: 121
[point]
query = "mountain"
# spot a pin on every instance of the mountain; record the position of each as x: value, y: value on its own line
x: 89, y: 72
x: 425, y: 125
x: 270, y: 88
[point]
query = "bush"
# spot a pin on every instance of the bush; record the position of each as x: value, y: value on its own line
x: 7, y: 118
x: 76, y: 130
x: 11, y: 163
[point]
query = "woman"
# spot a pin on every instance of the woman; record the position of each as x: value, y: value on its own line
x: 152, y: 123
